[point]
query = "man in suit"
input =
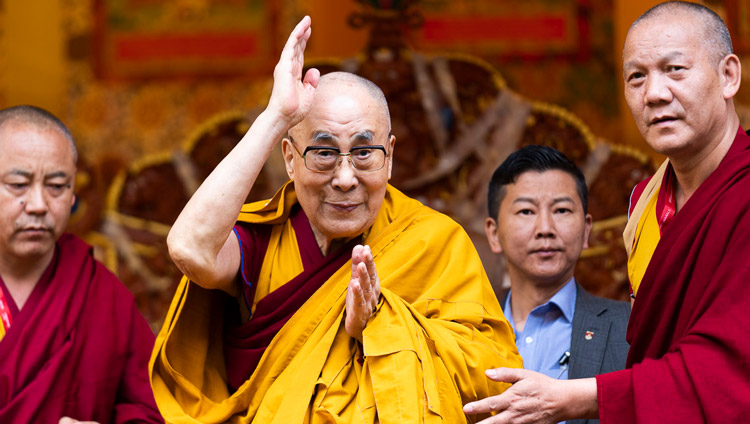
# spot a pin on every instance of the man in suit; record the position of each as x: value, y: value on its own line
x: 538, y: 219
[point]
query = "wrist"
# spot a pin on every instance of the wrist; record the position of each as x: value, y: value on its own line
x: 264, y: 134
x: 275, y: 121
x: 579, y: 399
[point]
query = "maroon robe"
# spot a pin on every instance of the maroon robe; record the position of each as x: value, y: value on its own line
x: 78, y: 348
x: 689, y: 358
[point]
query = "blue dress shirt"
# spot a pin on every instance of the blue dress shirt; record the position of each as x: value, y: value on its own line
x: 546, y: 335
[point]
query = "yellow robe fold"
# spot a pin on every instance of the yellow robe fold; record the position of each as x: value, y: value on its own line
x: 436, y: 330
x: 642, y: 234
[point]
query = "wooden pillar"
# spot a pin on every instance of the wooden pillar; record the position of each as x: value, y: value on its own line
x: 625, y: 12
x: 34, y: 54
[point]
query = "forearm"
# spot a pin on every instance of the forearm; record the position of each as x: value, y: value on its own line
x: 203, y: 226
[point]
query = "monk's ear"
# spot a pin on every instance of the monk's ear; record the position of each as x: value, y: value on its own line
x: 731, y: 75
x: 490, y: 229
x: 390, y: 147
x: 287, y: 150
x: 589, y: 222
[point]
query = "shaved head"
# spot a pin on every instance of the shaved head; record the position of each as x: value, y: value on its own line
x: 36, y: 118
x: 341, y: 80
x: 716, y: 35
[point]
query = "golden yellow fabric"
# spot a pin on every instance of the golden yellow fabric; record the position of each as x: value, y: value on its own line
x: 642, y: 233
x: 436, y: 329
x: 647, y: 236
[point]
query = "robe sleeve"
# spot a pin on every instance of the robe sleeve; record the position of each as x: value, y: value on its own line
x: 134, y: 400
x: 705, y: 375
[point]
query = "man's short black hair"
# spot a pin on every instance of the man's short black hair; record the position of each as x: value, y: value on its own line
x: 535, y: 158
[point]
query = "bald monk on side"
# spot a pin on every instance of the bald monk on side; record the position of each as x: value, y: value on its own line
x: 339, y: 299
x: 73, y: 346
x: 687, y: 241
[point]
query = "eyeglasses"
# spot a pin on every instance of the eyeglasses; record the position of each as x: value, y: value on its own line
x: 326, y: 159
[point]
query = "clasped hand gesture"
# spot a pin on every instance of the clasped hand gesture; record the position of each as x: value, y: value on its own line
x: 292, y: 96
x: 363, y: 293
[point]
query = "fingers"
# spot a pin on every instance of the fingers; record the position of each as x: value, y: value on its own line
x: 312, y: 77
x: 363, y: 269
x: 506, y: 375
x: 356, y: 315
x: 363, y: 292
x: 373, y: 278
x: 357, y: 258
x: 357, y: 299
x: 299, y: 36
x: 370, y: 265
x: 68, y: 420
x: 495, y: 403
x: 293, y: 53
x: 364, y: 278
x: 492, y: 403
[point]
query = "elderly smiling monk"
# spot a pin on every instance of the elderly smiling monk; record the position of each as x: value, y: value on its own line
x: 338, y: 300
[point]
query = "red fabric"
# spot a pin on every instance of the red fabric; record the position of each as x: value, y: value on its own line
x: 666, y: 201
x: 253, y: 240
x: 689, y: 359
x: 244, y: 344
x: 636, y: 194
x: 79, y: 348
x: 663, y: 201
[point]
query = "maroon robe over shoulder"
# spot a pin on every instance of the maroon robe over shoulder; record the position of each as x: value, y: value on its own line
x: 689, y: 329
x: 78, y: 348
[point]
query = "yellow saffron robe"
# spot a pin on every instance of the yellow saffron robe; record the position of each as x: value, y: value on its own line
x: 641, y: 234
x: 437, y: 328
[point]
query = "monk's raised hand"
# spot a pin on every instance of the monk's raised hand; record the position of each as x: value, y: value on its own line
x: 363, y: 293
x: 292, y: 96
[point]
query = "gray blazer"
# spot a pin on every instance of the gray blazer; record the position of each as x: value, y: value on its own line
x: 604, y: 349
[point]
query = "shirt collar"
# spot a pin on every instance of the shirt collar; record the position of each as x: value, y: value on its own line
x: 564, y: 299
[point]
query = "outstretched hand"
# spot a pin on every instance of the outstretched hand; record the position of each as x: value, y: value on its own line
x: 363, y: 293
x: 536, y: 398
x: 68, y: 420
x: 292, y: 96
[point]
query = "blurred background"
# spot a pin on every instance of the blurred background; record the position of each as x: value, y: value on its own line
x: 157, y: 92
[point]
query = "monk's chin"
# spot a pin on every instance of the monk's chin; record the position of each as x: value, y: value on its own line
x: 36, y: 248
x: 344, y: 227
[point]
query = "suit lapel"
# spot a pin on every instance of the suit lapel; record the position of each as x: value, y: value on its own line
x: 588, y: 338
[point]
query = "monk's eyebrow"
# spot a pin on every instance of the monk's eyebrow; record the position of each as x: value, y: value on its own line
x: 20, y: 173
x: 366, y: 136
x: 57, y: 174
x: 673, y: 55
x: 322, y: 137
